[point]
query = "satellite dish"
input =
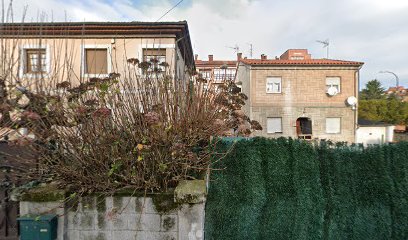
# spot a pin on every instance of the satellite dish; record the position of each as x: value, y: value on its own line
x: 332, y: 91
x: 352, y: 101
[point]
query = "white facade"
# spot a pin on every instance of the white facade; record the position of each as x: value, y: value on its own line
x: 376, y: 134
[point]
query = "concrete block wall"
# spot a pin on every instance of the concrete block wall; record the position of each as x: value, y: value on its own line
x: 122, y: 218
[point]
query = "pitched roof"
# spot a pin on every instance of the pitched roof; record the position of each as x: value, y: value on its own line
x: 215, y: 63
x: 91, y: 28
x: 119, y: 29
x: 368, y: 123
x: 306, y: 62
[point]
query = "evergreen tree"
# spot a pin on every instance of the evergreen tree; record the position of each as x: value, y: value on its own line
x: 373, y: 90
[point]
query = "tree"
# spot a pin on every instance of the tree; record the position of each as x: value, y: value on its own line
x: 373, y: 90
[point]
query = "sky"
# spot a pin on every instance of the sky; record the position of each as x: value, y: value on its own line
x: 372, y: 31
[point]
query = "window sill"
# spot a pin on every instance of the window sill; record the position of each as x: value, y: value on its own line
x: 275, y: 133
x: 36, y: 75
x: 86, y: 75
x: 273, y: 92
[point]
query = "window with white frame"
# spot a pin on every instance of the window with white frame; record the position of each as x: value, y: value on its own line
x: 333, y: 82
x: 273, y: 85
x: 96, y: 60
x: 157, y: 58
x: 274, y: 125
x: 34, y: 60
x: 333, y: 125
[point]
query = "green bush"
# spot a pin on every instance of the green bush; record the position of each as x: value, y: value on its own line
x: 288, y: 189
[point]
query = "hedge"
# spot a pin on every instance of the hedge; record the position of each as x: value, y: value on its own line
x: 290, y: 189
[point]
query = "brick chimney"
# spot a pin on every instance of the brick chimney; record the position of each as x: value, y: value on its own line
x: 195, y: 57
x: 263, y: 57
x: 210, y: 58
x: 239, y: 56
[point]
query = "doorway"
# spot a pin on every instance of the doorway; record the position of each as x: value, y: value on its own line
x: 304, y: 128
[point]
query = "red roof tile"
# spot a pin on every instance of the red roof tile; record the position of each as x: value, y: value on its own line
x: 215, y: 63
x: 323, y: 62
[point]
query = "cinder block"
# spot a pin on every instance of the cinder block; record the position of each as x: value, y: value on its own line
x: 145, y: 205
x: 124, y: 235
x: 169, y: 223
x: 95, y: 235
x: 144, y: 222
x: 72, y: 235
x: 156, y: 236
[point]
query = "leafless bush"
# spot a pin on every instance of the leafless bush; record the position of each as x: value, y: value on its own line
x: 140, y: 128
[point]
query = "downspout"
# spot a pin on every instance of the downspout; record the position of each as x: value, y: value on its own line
x: 356, y: 91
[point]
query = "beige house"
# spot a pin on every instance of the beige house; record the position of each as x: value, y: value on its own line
x: 301, y: 97
x: 74, y: 51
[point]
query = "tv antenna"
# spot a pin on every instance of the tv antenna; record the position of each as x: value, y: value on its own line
x: 251, y: 49
x: 325, y: 44
x: 236, y: 48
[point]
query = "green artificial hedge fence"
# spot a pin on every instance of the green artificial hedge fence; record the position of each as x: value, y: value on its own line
x: 289, y: 189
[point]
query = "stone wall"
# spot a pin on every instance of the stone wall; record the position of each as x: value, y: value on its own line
x: 159, y: 217
x: 303, y: 95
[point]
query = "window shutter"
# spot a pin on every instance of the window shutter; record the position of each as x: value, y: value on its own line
x: 274, y: 125
x: 96, y: 61
x: 333, y: 125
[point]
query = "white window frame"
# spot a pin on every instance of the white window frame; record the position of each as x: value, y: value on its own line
x: 274, y: 132
x: 332, y: 132
x: 96, y: 46
x: 331, y: 78
x: 274, y: 81
x: 23, y: 60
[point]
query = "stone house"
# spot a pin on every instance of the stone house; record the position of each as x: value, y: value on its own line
x: 78, y: 50
x: 301, y: 97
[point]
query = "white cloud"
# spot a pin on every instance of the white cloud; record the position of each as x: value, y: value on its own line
x: 373, y: 31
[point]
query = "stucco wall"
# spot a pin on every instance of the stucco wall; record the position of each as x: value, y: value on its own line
x: 375, y: 134
x: 65, y: 60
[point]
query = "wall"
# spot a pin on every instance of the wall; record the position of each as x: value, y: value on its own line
x: 126, y: 218
x: 374, y: 134
x: 65, y: 55
x: 243, y: 76
x: 303, y: 95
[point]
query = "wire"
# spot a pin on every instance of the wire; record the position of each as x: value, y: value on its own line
x: 170, y: 10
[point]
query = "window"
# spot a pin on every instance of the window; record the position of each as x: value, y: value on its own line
x: 206, y: 74
x: 157, y: 57
x: 333, y: 82
x: 274, y: 125
x: 96, y: 61
x: 35, y: 61
x: 274, y: 85
x: 333, y: 125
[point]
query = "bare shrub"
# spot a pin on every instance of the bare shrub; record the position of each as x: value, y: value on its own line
x: 140, y: 128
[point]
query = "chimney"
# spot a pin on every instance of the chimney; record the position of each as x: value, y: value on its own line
x: 195, y: 57
x: 263, y: 57
x: 239, y: 56
x: 210, y: 58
